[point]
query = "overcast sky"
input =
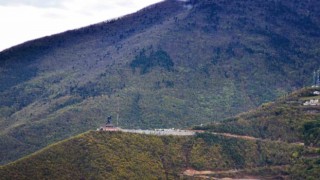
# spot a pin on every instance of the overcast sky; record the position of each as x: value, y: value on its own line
x: 23, y: 20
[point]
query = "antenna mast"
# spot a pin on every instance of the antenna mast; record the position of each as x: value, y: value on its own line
x: 318, y: 78
x: 118, y: 110
x: 314, y: 82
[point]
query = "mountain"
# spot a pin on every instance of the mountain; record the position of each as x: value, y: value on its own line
x: 294, y: 118
x: 117, y: 155
x: 290, y: 119
x: 173, y: 64
x: 212, y: 153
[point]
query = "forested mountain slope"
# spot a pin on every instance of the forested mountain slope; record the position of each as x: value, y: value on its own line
x: 174, y: 64
x: 116, y: 155
x: 291, y: 119
x: 210, y: 153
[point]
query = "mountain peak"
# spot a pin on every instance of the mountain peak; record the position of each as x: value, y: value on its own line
x: 162, y: 67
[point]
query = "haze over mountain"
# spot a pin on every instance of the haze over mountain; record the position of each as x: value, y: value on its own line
x: 174, y: 64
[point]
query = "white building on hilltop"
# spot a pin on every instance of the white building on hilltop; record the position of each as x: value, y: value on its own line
x: 312, y: 102
x: 316, y: 93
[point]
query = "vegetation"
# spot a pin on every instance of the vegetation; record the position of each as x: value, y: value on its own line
x: 306, y: 168
x: 159, y: 58
x: 287, y: 120
x: 116, y: 155
x: 196, y: 62
x: 311, y: 132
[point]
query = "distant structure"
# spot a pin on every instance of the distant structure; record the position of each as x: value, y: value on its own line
x: 312, y: 102
x: 315, y: 101
x: 108, y: 123
x: 316, y: 93
x: 108, y: 126
x: 316, y: 78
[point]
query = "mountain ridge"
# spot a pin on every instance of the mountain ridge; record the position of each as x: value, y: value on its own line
x: 175, y: 64
x: 119, y: 155
x: 210, y: 152
x: 288, y: 119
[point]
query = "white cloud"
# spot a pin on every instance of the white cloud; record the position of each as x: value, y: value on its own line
x: 30, y: 19
x: 37, y: 3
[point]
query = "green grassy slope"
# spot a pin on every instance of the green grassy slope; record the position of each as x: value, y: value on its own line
x: 287, y: 119
x: 175, y: 64
x: 115, y: 155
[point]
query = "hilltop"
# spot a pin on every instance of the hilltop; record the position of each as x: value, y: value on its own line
x: 173, y: 64
x: 290, y: 119
x: 286, y: 147
x: 116, y: 155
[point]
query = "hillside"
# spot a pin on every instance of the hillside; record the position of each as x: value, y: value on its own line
x: 228, y: 149
x: 288, y: 119
x: 115, y: 155
x: 174, y: 64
